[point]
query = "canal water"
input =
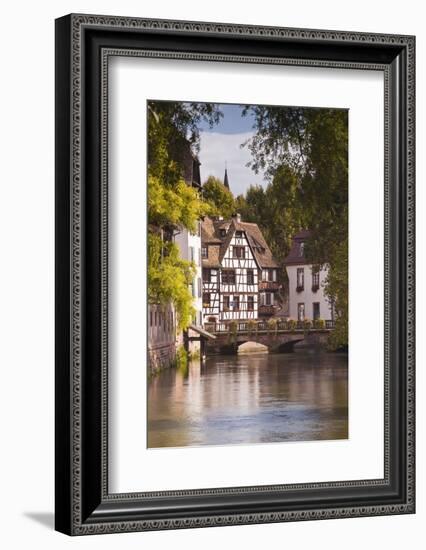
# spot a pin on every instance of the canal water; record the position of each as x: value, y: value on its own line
x: 299, y: 396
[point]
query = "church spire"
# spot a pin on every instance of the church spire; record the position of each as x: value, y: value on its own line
x: 225, y: 179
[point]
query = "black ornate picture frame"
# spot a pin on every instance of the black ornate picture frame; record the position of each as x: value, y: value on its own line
x: 84, y: 43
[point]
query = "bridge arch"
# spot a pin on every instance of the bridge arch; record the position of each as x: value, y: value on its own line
x: 251, y: 346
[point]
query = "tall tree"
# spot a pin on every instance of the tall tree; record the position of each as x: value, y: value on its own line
x: 219, y: 197
x: 172, y: 205
x: 304, y: 152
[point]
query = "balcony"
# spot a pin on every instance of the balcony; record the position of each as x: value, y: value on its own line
x: 269, y: 285
x: 300, y: 288
x: 267, y: 310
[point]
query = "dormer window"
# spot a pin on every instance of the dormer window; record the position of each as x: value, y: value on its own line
x: 204, y: 252
x: 238, y: 234
x: 223, y: 232
x: 302, y: 250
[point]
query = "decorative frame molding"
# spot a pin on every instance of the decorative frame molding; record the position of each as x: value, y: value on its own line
x: 84, y: 43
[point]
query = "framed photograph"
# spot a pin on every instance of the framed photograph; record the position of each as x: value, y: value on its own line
x: 234, y: 274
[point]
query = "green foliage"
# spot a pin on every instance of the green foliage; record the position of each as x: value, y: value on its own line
x: 336, y: 289
x: 181, y: 358
x: 251, y: 326
x: 319, y: 324
x: 178, y: 206
x: 307, y: 324
x: 291, y: 324
x: 304, y: 152
x: 220, y: 199
x: 172, y: 205
x: 232, y: 330
x: 194, y: 355
x: 169, y: 277
x: 170, y: 125
x: 272, y: 326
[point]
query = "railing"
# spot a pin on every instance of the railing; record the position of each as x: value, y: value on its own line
x: 255, y: 327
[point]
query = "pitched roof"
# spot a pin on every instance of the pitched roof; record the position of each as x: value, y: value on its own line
x: 296, y: 256
x: 211, y: 233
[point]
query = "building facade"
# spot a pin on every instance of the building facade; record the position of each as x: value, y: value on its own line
x: 239, y: 273
x: 306, y: 296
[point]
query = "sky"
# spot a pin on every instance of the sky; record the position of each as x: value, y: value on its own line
x: 221, y: 144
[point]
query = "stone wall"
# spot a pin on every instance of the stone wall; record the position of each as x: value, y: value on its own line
x: 161, y: 337
x: 161, y: 356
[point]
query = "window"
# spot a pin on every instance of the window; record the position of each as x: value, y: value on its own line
x: 250, y: 303
x: 268, y: 298
x: 238, y: 234
x: 199, y: 256
x: 300, y: 279
x: 199, y: 287
x: 250, y: 277
x: 236, y: 303
x: 193, y: 288
x: 226, y: 303
x: 206, y: 275
x: 228, y: 277
x: 238, y: 252
x: 302, y: 250
x: 264, y: 275
x: 300, y: 312
x: 271, y: 274
x: 204, y: 253
x: 191, y: 253
x: 206, y: 299
x: 150, y: 318
x: 223, y: 232
x: 316, y: 310
x: 315, y: 279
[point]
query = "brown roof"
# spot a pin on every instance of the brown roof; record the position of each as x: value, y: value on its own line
x: 208, y: 232
x: 296, y: 255
x: 211, y: 234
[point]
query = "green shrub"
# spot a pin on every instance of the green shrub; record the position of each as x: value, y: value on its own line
x: 319, y: 323
x: 251, y: 326
x: 181, y: 358
x: 307, y: 324
x: 193, y: 355
x: 232, y: 330
x: 272, y: 326
x: 291, y: 324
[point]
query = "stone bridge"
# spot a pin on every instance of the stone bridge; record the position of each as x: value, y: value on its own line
x: 279, y: 338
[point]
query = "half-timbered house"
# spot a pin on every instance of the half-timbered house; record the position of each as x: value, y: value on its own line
x: 240, y: 279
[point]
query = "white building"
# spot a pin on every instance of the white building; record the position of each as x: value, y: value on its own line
x: 190, y: 243
x: 306, y: 284
x: 190, y: 250
x: 239, y: 272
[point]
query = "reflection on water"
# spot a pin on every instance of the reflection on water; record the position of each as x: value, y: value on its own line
x: 250, y: 399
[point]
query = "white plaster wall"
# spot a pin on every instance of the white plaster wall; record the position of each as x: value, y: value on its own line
x: 185, y: 240
x: 306, y: 296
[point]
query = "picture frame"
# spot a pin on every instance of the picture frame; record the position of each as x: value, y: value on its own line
x: 84, y: 504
